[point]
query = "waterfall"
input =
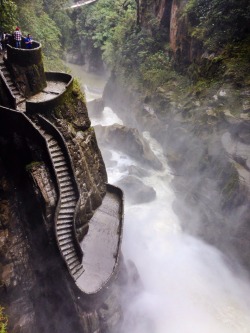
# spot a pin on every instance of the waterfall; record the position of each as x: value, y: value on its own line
x: 188, y: 285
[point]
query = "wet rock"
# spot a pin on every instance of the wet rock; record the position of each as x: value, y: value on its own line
x: 136, y: 191
x: 95, y: 107
x: 129, y: 141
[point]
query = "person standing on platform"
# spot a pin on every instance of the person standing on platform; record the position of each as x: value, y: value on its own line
x: 17, y: 37
x: 28, y: 42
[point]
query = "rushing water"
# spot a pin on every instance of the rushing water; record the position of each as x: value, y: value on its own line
x: 188, y: 285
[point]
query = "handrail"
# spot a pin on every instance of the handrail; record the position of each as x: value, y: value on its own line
x: 55, y: 133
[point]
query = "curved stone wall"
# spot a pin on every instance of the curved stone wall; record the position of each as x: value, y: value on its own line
x: 26, y: 68
x: 25, y: 57
x: 35, y: 107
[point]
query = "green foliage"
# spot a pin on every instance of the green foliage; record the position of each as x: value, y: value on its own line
x: 8, y: 15
x: 3, y: 321
x: 34, y: 20
x: 218, y: 22
x: 33, y: 165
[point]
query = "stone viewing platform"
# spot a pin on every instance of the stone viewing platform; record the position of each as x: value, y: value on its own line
x: 101, y: 245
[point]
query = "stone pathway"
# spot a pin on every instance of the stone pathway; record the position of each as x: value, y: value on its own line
x: 101, y: 244
x: 53, y: 89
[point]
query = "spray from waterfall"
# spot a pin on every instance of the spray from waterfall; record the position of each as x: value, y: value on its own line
x: 186, y: 285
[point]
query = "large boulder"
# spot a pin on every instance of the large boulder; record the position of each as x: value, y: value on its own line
x: 136, y: 192
x: 129, y: 141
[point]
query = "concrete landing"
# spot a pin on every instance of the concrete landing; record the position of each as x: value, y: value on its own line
x: 101, y: 245
x: 53, y: 89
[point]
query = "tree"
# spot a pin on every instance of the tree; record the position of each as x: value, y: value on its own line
x: 8, y: 15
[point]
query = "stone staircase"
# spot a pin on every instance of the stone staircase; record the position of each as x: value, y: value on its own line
x: 20, y: 100
x: 66, y: 210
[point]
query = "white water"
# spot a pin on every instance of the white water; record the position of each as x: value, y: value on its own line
x: 188, y: 285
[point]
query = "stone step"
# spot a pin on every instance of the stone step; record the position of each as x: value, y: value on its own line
x: 58, y: 158
x: 69, y: 199
x: 66, y: 241
x: 63, y: 177
x: 52, y: 142
x: 74, y: 265
x: 63, y: 232
x: 62, y: 173
x: 67, y: 189
x: 68, y: 204
x: 65, y: 236
x: 65, y: 218
x: 61, y: 169
x: 67, y: 247
x: 69, y: 254
x: 64, y: 221
x: 49, y: 138
x: 76, y: 269
x: 59, y: 164
x: 79, y: 273
x: 74, y: 259
x: 67, y: 210
x: 64, y: 227
x: 55, y: 151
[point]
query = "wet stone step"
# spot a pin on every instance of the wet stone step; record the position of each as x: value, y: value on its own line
x: 69, y: 199
x: 64, y: 178
x: 66, y: 228
x: 66, y: 241
x: 62, y: 173
x: 52, y: 141
x: 73, y: 265
x: 78, y: 274
x: 57, y: 155
x: 64, y: 184
x: 67, y: 210
x: 71, y: 258
x: 60, y: 163
x: 76, y: 269
x: 65, y: 190
x: 68, y: 204
x: 62, y: 169
x: 58, y: 158
x: 49, y: 138
x: 64, y: 232
x: 67, y: 246
x: 65, y: 222
x: 65, y: 216
x: 67, y: 236
x: 69, y: 254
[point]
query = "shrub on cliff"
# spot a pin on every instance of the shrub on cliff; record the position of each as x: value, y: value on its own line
x: 3, y: 321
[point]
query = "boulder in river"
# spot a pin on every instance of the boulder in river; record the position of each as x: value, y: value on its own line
x: 127, y: 140
x: 136, y: 191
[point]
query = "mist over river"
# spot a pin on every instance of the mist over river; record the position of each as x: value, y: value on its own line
x: 188, y: 285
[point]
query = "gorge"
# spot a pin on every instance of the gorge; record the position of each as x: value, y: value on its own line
x: 172, y: 124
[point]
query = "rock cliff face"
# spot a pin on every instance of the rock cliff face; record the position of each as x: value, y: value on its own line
x: 168, y: 12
